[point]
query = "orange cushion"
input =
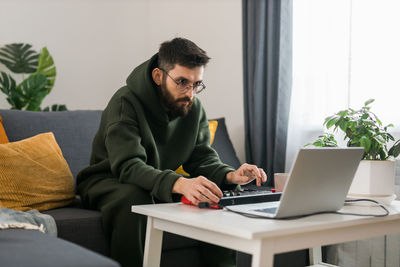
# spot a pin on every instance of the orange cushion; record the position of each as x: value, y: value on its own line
x: 212, y: 125
x: 34, y: 174
x: 3, y: 136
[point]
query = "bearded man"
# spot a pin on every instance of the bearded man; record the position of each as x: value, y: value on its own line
x: 149, y: 128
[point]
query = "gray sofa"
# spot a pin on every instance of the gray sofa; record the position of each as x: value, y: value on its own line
x: 74, y: 132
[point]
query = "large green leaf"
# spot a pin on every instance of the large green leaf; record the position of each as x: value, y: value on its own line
x: 332, y: 122
x: 366, y: 143
x: 343, y: 113
x: 7, y: 83
x: 369, y: 101
x: 46, y: 67
x: 395, y: 150
x: 33, y: 91
x: 19, y: 58
x: 8, y: 87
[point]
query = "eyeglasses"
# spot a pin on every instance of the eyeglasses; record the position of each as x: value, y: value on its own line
x: 183, y: 85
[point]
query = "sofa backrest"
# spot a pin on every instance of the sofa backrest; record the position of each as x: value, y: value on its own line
x: 223, y: 145
x: 74, y: 131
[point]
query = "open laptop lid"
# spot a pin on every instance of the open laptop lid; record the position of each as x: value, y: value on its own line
x: 319, y: 180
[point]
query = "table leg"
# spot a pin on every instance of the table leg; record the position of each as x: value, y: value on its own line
x: 315, y: 255
x: 152, y: 249
x: 263, y: 256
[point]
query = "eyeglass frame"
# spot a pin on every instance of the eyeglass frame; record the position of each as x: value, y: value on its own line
x: 192, y: 86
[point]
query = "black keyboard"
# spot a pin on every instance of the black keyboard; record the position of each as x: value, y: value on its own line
x: 247, y: 196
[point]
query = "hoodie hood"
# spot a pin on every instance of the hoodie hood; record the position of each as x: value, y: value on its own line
x: 141, y: 84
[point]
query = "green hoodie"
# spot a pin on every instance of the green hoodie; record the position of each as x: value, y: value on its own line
x: 138, y: 143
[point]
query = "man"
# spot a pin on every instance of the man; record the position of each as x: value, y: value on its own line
x: 150, y: 127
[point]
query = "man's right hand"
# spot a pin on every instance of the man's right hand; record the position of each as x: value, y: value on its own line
x: 197, y: 190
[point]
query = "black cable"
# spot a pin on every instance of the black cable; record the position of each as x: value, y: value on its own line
x: 368, y: 200
x: 323, y: 212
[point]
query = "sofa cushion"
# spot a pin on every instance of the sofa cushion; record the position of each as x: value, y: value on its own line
x: 74, y: 131
x: 80, y: 226
x: 223, y: 145
x: 34, y: 174
x: 84, y: 227
x: 32, y: 248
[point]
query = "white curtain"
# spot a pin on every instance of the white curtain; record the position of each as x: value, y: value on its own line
x: 344, y: 53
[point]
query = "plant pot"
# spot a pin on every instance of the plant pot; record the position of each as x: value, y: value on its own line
x: 374, y: 179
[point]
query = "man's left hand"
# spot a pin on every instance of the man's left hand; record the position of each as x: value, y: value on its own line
x: 247, y: 173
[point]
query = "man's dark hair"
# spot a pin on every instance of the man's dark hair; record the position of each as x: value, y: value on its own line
x: 183, y: 52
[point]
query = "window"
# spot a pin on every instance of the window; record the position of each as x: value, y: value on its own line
x: 344, y: 53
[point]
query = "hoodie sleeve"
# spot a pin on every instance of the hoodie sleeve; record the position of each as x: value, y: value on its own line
x: 128, y: 161
x: 204, y: 160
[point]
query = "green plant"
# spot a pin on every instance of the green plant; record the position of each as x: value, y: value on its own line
x: 362, y: 128
x: 19, y: 58
x: 325, y: 140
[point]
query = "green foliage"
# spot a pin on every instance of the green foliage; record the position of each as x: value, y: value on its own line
x: 7, y: 86
x: 29, y: 94
x: 47, y: 68
x: 362, y: 128
x: 55, y: 107
x: 19, y: 58
x: 325, y: 140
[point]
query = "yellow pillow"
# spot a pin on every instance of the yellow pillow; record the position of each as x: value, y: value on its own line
x: 212, y: 125
x: 3, y: 136
x: 34, y: 174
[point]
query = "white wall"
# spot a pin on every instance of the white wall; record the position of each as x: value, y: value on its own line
x: 97, y: 43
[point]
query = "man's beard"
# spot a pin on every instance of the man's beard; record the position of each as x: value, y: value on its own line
x: 173, y: 107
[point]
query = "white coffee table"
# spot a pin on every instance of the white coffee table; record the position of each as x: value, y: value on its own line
x: 261, y: 237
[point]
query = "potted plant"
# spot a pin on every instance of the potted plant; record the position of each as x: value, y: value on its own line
x: 362, y: 128
x: 21, y: 59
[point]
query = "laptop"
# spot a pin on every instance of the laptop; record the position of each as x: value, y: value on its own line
x: 319, y: 181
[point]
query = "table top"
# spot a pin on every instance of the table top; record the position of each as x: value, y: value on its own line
x: 226, y: 222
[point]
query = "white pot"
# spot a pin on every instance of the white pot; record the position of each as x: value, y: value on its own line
x: 374, y: 179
